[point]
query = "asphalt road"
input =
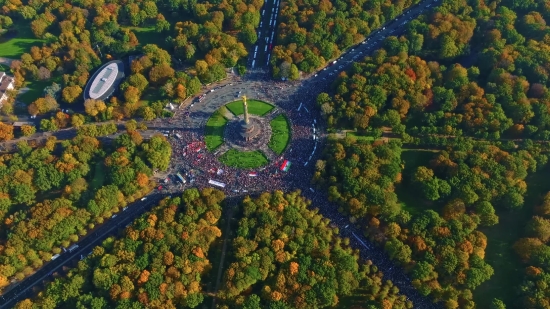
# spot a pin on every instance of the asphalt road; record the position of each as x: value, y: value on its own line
x: 259, y: 53
x: 24, y: 289
x: 286, y: 96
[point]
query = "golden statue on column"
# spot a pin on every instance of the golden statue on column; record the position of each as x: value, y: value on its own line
x: 248, y: 130
x: 246, y: 119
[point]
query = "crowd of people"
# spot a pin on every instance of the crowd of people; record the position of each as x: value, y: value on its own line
x: 191, y: 158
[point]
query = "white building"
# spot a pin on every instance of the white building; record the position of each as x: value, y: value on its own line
x: 6, y: 84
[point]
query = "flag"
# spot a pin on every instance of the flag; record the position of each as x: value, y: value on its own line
x: 285, y: 166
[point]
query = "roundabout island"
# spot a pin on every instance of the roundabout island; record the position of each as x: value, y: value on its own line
x: 247, y: 134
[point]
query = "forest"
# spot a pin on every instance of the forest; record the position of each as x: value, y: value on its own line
x: 198, y: 39
x: 286, y: 255
x: 52, y: 195
x: 466, y: 86
x: 311, y: 33
x: 158, y: 262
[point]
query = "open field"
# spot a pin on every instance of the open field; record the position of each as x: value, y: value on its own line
x: 500, y: 239
x: 255, y: 107
x: 214, y: 131
x: 148, y: 35
x: 360, y: 137
x: 36, y: 89
x: 406, y: 193
x: 280, y: 134
x: 99, y: 176
x: 21, y: 43
x: 243, y: 159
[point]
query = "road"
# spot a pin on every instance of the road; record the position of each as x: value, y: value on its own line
x: 86, y: 244
x: 260, y: 52
x: 286, y: 96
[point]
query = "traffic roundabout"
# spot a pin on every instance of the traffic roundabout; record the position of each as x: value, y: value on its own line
x: 247, y: 133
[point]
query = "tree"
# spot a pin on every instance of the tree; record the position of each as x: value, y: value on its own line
x: 77, y: 120
x: 132, y: 95
x: 43, y: 73
x: 28, y: 130
x: 53, y: 91
x: 43, y: 105
x: 6, y: 131
x: 94, y: 107
x: 148, y: 113
x: 161, y: 73
x: 497, y: 304
x: 138, y: 80
x: 161, y: 24
x: 539, y: 228
x: 71, y: 93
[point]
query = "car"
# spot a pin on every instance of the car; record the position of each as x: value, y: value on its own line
x: 360, y: 53
x: 143, y: 199
x: 340, y: 66
x: 211, y: 90
x: 383, y: 28
x: 353, y: 49
x: 324, y: 69
x: 114, y: 216
x: 330, y: 73
x: 316, y: 75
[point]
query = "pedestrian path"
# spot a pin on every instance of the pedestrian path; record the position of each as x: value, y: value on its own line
x: 272, y: 156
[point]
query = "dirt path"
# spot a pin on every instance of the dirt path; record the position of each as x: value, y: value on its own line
x: 228, y: 236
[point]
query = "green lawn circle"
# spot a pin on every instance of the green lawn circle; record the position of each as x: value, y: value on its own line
x: 215, y: 127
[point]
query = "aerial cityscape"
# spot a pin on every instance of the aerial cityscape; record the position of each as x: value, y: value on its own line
x: 274, y: 154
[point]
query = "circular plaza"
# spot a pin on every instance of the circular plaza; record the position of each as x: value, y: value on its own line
x: 247, y: 133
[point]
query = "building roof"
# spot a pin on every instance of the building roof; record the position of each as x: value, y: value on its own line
x: 105, y: 81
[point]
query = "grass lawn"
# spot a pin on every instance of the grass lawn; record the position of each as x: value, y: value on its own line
x: 214, y: 131
x: 408, y: 196
x: 36, y: 89
x: 21, y: 43
x: 280, y: 134
x: 148, y: 35
x: 255, y: 107
x: 500, y: 238
x: 243, y: 159
x: 99, y: 176
x: 360, y: 137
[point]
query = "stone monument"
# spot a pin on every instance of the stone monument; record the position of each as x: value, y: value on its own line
x: 248, y: 130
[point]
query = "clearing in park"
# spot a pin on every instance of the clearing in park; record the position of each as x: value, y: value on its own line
x: 280, y: 135
x: 214, y: 131
x: 255, y: 107
x: 243, y: 159
x: 13, y: 45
